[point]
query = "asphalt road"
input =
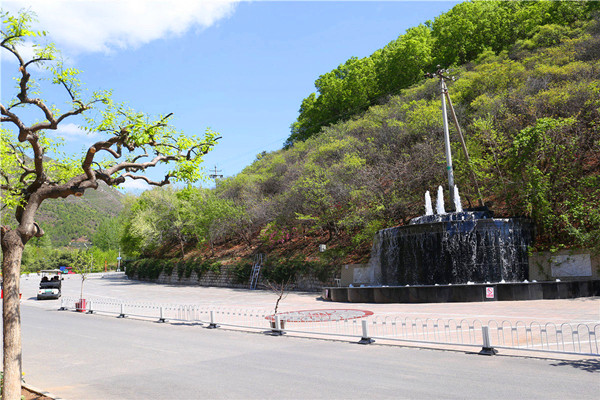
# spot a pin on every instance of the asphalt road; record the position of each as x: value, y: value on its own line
x: 80, y: 356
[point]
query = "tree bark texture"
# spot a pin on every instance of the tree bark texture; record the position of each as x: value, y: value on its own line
x: 12, y: 250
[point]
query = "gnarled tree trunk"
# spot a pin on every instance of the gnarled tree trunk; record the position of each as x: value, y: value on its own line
x: 12, y: 250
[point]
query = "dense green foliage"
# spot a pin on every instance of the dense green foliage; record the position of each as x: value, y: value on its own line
x: 276, y: 270
x: 454, y: 38
x: 65, y: 221
x: 36, y: 258
x: 163, y: 217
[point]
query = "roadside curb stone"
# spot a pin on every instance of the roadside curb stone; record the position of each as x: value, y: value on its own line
x: 40, y: 392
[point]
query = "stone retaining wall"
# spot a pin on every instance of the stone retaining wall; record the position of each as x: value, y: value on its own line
x: 226, y: 278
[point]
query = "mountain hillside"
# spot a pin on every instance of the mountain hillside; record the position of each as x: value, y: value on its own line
x: 529, y: 111
x: 68, y: 219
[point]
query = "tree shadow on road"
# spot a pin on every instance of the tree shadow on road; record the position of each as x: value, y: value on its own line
x: 589, y: 365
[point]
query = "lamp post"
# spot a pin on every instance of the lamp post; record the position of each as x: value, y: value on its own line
x: 92, y: 254
x: 441, y: 74
x: 449, y: 169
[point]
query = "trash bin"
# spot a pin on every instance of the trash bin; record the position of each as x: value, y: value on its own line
x: 80, y: 305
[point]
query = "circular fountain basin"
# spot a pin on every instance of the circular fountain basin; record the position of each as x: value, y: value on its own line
x: 453, y: 248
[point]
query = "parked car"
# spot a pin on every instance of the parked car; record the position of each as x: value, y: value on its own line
x: 67, y: 270
x: 50, y: 285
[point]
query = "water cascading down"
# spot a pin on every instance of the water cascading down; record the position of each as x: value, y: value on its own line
x: 453, y: 248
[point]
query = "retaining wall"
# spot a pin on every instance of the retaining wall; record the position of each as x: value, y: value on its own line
x: 227, y: 278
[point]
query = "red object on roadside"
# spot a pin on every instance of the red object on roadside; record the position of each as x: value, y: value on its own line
x: 2, y: 294
x: 80, y: 305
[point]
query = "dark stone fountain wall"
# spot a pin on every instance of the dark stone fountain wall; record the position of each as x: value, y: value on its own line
x: 453, y: 249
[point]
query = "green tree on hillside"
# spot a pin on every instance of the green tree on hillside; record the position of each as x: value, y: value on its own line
x: 108, y: 234
x: 184, y: 217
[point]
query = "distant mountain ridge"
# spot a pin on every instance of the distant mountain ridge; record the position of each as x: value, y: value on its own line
x: 68, y: 219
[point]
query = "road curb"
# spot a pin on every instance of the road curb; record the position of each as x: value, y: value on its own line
x: 40, y: 392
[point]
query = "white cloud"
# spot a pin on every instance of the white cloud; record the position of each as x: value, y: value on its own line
x: 134, y: 185
x: 72, y: 131
x: 104, y: 25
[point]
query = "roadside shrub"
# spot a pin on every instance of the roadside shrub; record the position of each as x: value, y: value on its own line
x: 242, y: 271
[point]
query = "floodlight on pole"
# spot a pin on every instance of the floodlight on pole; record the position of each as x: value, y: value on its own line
x: 443, y: 77
x: 215, y: 174
x: 440, y: 73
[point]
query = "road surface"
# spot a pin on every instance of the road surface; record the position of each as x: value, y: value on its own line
x: 80, y: 356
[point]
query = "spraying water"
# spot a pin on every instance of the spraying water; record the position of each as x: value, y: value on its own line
x: 457, y: 204
x: 428, y: 207
x: 439, y: 207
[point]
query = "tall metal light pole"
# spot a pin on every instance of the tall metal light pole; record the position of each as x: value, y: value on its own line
x: 441, y: 74
x: 447, y: 141
x: 444, y: 90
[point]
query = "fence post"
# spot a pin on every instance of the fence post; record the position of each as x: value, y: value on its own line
x: 212, y: 324
x: 487, y: 349
x: 162, y: 315
x: 365, y: 334
x: 276, y: 326
x: 122, y: 315
x: 90, y: 310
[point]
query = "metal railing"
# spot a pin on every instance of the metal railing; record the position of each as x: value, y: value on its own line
x: 569, y: 338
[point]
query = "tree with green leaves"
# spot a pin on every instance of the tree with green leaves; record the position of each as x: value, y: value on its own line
x: 156, y: 218
x: 132, y: 143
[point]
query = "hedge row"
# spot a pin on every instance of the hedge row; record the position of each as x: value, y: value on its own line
x: 276, y: 270
x: 150, y: 268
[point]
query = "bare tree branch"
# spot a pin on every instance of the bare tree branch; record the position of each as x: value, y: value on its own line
x: 35, y: 60
x: 164, y: 182
x: 11, y: 117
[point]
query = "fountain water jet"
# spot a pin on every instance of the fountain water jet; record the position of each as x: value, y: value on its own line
x: 428, y: 207
x: 457, y: 205
x: 439, y: 207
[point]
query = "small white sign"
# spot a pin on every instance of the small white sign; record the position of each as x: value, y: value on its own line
x: 489, y: 292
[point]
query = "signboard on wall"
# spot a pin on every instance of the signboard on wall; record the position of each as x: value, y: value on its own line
x: 571, y: 265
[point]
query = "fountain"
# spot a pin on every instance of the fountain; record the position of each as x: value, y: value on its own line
x: 453, y: 248
x: 460, y: 256
x: 464, y: 255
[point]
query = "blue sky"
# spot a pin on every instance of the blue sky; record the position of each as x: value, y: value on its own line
x: 240, y: 68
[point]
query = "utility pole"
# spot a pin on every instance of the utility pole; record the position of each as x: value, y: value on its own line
x: 443, y: 77
x: 215, y: 174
